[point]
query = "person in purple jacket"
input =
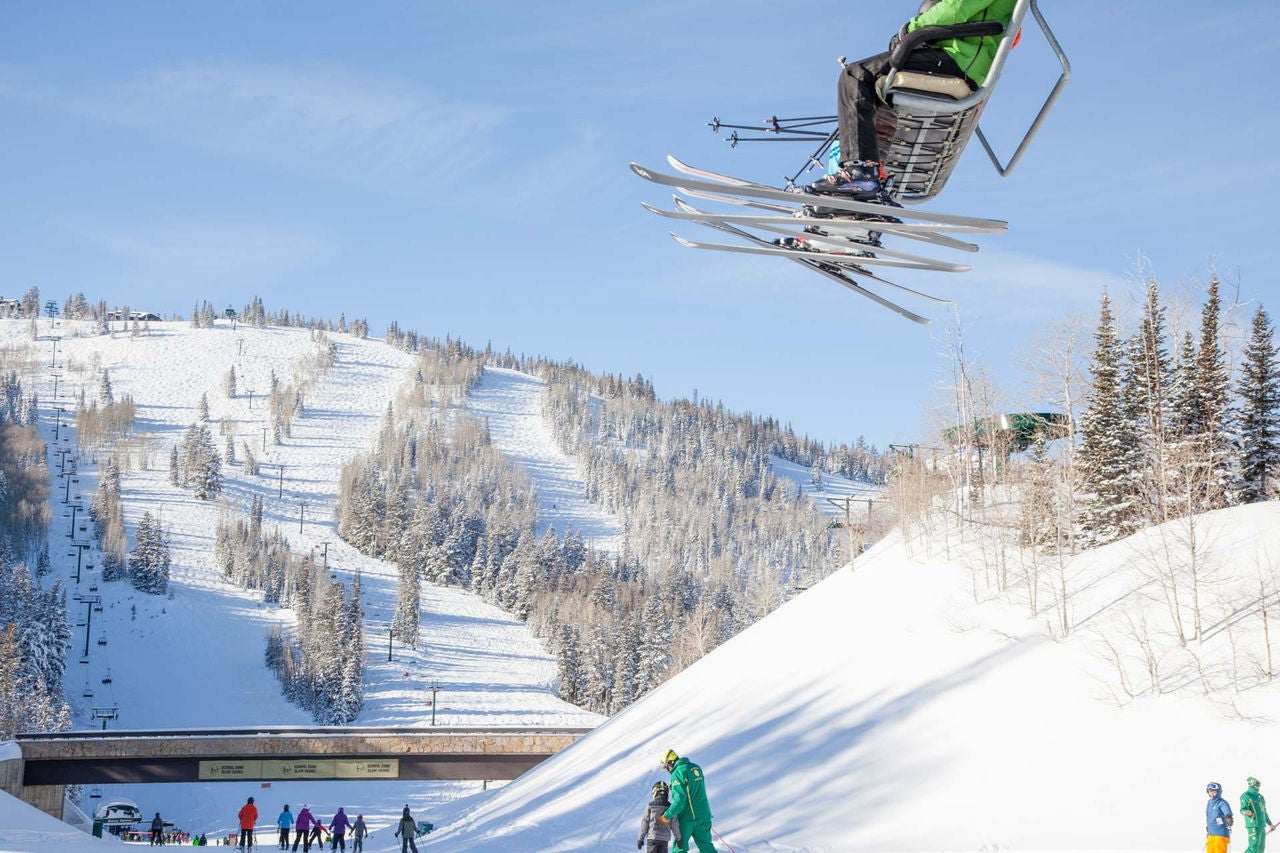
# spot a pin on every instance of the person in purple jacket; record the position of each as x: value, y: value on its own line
x: 302, y: 826
x: 338, y: 826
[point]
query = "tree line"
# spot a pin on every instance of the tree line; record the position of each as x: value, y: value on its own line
x: 713, y: 540
x: 320, y: 664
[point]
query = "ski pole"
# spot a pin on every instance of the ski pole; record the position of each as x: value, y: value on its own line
x: 722, y: 841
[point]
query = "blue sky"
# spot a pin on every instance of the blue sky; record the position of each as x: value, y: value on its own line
x: 462, y: 168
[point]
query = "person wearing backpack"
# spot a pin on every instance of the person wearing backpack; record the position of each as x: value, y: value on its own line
x: 406, y: 830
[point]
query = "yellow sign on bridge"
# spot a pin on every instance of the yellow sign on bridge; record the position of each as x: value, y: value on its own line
x: 301, y: 768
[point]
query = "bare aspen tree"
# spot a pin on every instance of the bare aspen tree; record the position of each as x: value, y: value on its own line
x: 1057, y: 366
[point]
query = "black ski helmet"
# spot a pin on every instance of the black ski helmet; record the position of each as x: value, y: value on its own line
x: 660, y: 790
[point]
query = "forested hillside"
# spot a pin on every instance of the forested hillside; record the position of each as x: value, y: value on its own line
x: 712, y: 539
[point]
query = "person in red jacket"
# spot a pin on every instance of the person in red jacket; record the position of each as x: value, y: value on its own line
x: 248, y: 820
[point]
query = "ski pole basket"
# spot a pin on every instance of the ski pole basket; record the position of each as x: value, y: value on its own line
x: 933, y: 116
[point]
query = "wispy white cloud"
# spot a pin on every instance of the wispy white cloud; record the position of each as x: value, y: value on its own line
x: 1017, y: 289
x: 211, y: 254
x: 371, y: 130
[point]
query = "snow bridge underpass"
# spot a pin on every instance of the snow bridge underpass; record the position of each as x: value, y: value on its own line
x: 50, y: 762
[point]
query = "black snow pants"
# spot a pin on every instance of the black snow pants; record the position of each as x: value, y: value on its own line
x: 857, y: 100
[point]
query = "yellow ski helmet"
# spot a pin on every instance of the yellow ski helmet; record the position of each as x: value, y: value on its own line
x: 669, y: 758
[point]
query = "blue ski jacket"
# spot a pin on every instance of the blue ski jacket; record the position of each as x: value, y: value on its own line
x: 1217, y: 816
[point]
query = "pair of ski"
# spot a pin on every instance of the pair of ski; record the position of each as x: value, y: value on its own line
x: 840, y: 244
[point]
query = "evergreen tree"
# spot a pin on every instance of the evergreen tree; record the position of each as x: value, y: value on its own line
x: 1259, y: 390
x: 408, y: 604
x: 1214, y: 382
x: 1106, y: 450
x: 105, y: 395
x: 149, y: 562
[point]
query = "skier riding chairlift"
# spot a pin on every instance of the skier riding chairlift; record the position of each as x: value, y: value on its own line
x: 909, y: 113
x: 897, y: 108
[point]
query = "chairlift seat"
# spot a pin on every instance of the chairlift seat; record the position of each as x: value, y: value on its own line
x: 926, y: 84
x: 934, y: 116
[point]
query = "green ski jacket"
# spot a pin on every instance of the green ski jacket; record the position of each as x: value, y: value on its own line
x: 688, y: 795
x: 1254, y: 808
x: 973, y: 55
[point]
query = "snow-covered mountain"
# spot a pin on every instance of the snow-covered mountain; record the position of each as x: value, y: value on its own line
x: 194, y: 657
x: 905, y: 703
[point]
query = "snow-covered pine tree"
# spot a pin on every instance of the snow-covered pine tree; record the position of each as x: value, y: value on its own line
x: 149, y: 562
x: 1105, y: 457
x: 1150, y: 371
x: 43, y: 563
x: 568, y: 663
x: 408, y: 603
x: 175, y: 471
x: 1186, y: 466
x: 1259, y: 390
x: 1213, y: 380
x: 105, y: 395
x: 231, y: 383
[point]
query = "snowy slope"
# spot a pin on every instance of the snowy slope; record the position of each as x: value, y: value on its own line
x: 24, y: 828
x: 511, y: 403
x: 831, y: 497
x: 194, y: 658
x: 885, y: 710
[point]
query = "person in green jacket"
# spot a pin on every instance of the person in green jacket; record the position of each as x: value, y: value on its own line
x: 860, y: 173
x: 1254, y: 808
x: 688, y: 804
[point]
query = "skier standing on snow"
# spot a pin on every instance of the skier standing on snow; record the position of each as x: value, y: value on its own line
x: 338, y: 826
x: 358, y: 832
x: 285, y: 822
x: 302, y: 828
x: 157, y: 831
x: 248, y: 815
x: 652, y: 828
x: 317, y: 833
x: 1254, y: 808
x: 1218, y: 820
x: 861, y: 173
x: 406, y: 830
x: 689, y: 804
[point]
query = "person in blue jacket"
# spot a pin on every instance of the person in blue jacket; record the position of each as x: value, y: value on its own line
x: 1217, y: 819
x: 285, y: 822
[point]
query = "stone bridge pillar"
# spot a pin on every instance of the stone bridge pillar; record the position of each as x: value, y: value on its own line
x: 47, y: 798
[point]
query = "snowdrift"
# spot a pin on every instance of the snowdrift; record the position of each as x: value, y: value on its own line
x: 884, y: 710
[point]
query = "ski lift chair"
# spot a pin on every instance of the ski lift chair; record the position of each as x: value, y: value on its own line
x: 932, y: 116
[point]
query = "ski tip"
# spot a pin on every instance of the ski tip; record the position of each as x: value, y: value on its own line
x: 682, y: 241
x: 641, y: 171
x: 651, y: 208
x: 675, y: 162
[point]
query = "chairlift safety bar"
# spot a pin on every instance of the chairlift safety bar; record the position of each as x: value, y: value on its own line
x: 1005, y: 169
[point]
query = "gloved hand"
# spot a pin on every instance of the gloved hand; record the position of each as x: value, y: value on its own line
x: 662, y: 819
x: 898, y: 37
x: 640, y: 844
